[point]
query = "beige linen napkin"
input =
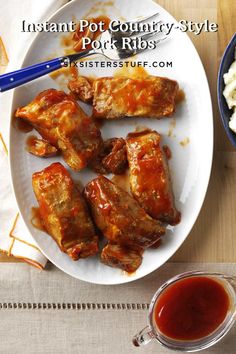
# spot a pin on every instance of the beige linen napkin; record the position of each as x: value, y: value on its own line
x: 15, y: 239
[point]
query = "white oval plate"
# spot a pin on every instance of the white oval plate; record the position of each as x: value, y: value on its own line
x: 190, y: 165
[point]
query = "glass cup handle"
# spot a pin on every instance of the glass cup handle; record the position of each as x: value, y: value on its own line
x: 143, y: 337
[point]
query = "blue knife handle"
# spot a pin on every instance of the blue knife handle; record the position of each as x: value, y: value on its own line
x: 19, y: 77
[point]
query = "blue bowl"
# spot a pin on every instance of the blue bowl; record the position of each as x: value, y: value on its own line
x: 225, y: 112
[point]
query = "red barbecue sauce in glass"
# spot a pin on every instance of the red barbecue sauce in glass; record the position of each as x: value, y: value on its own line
x: 191, y: 308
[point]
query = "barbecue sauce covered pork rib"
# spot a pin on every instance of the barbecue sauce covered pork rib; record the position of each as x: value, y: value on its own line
x: 60, y: 120
x: 150, y: 180
x: 64, y: 212
x: 122, y: 221
x: 82, y: 88
x: 119, y: 256
x: 114, y: 98
x: 112, y: 158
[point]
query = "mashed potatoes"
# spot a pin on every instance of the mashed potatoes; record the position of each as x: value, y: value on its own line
x: 230, y: 93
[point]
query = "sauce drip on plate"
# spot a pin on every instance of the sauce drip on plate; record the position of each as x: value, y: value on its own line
x: 191, y: 308
x: 180, y: 97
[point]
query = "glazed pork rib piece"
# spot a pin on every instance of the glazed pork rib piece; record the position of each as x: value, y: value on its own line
x: 40, y: 147
x: 112, y: 157
x: 60, y: 120
x: 119, y: 216
x: 113, y: 98
x: 123, y: 222
x: 150, y: 180
x: 119, y: 256
x: 82, y: 88
x: 64, y: 212
x: 151, y: 97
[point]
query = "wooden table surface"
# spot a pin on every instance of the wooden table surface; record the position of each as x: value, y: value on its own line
x: 213, y: 237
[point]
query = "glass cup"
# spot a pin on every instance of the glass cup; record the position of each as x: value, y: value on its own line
x: 151, y: 332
